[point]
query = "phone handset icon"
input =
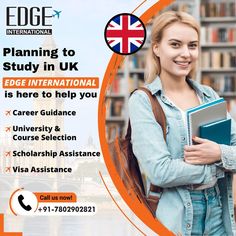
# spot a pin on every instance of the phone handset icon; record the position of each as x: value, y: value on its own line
x: 20, y: 200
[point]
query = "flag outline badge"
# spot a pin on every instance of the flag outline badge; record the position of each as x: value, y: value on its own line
x: 125, y: 34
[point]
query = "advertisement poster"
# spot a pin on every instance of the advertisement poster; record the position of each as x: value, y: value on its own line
x: 65, y: 86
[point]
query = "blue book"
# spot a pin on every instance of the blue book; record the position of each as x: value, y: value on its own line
x: 204, y: 114
x: 218, y: 132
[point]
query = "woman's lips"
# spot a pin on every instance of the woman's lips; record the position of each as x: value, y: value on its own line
x: 182, y: 63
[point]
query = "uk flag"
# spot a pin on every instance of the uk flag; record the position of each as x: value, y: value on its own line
x: 125, y: 34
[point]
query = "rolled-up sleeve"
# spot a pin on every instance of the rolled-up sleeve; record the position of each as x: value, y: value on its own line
x: 228, y: 152
x: 152, y: 152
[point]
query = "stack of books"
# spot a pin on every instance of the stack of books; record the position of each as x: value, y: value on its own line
x: 209, y: 121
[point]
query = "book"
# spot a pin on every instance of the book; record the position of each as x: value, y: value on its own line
x: 117, y: 108
x: 113, y: 130
x: 213, y: 131
x: 217, y: 9
x: 218, y: 59
x: 220, y: 83
x: 119, y: 85
x: 210, y: 34
x: 204, y: 114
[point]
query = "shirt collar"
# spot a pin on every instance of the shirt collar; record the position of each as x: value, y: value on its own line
x: 199, y: 88
x: 156, y: 87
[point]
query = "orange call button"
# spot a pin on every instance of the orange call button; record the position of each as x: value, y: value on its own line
x: 56, y: 197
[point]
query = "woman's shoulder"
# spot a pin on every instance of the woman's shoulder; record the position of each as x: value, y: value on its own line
x: 139, y: 97
x: 153, y: 87
x: 139, y: 102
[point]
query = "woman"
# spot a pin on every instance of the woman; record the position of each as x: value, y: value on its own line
x: 196, y: 180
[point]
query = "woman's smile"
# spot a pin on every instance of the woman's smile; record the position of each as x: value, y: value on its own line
x: 183, y: 64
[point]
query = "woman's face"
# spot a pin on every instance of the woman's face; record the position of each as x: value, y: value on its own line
x: 178, y: 50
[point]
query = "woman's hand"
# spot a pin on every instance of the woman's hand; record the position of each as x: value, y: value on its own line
x: 205, y: 152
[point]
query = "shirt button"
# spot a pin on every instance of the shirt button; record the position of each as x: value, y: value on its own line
x: 183, y: 138
x: 188, y: 204
x: 188, y: 225
x: 230, y: 196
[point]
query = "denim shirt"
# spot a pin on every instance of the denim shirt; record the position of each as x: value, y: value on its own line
x: 163, y: 164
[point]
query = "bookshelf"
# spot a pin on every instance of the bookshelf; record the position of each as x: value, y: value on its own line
x: 129, y: 77
x: 115, y: 105
x: 218, y: 54
x: 217, y: 19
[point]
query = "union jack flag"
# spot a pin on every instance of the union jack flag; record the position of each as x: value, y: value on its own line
x: 125, y: 34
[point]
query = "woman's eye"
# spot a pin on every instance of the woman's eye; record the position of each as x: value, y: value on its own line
x: 175, y: 45
x: 193, y: 46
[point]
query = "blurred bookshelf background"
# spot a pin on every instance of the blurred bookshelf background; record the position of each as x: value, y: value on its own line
x: 217, y: 67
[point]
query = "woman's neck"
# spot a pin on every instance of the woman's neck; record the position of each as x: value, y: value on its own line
x: 171, y: 83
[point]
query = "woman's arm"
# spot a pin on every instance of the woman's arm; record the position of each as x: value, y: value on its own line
x: 152, y: 153
x: 228, y: 153
x: 208, y: 152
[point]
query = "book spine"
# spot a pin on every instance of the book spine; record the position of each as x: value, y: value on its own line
x: 218, y: 9
x: 220, y: 83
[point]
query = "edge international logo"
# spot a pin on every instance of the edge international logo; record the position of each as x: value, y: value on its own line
x: 21, y: 20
